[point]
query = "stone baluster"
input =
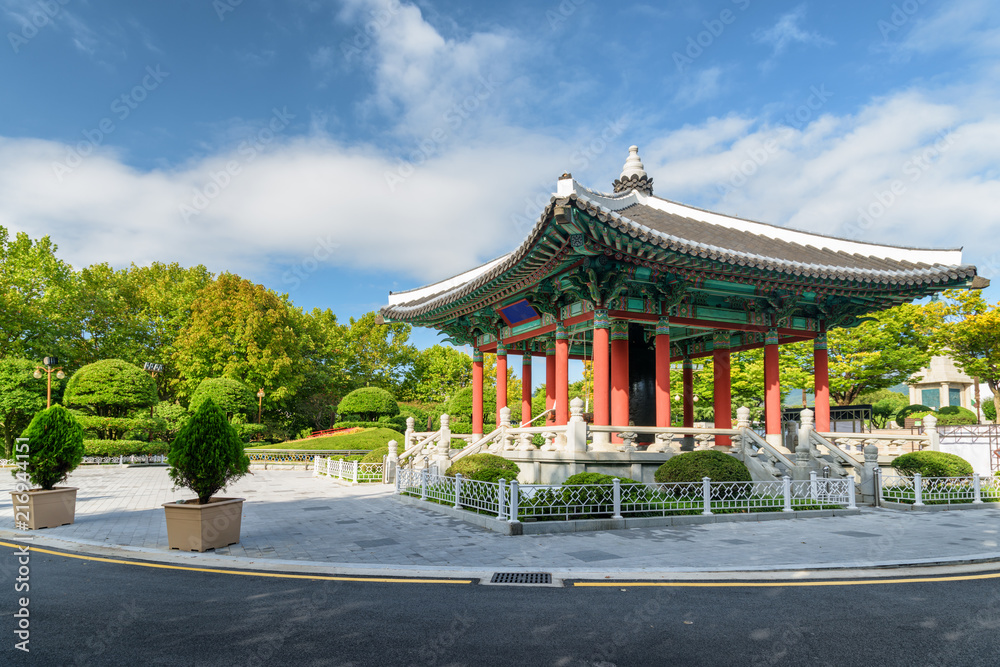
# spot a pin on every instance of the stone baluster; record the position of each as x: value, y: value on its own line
x: 505, y: 436
x: 806, y: 426
x: 740, y: 442
x: 576, y: 429
x: 930, y: 428
x: 868, y: 474
x: 392, y: 461
x: 442, y: 456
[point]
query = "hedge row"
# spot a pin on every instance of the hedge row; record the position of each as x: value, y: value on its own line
x: 124, y: 448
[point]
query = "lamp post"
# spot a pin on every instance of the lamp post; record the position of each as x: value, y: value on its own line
x: 49, y: 368
x: 260, y: 402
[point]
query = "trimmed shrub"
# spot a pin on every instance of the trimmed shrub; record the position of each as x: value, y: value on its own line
x: 376, y: 455
x: 113, y: 428
x: 989, y: 410
x: 602, y: 496
x: 174, y: 417
x: 932, y: 464
x: 909, y: 410
x: 124, y: 448
x: 207, y: 454
x: 485, y: 468
x: 954, y: 415
x: 55, y: 447
x: 229, y: 395
x: 110, y: 388
x: 368, y: 404
x: 693, y: 466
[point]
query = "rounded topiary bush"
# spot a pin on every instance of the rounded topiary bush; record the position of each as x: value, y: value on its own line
x: 207, y: 454
x: 110, y: 388
x: 989, y: 410
x: 54, y: 448
x: 909, y: 410
x: 694, y: 466
x: 954, y: 415
x: 229, y: 395
x: 602, y: 495
x: 932, y: 464
x: 367, y: 404
x: 376, y: 455
x: 485, y: 468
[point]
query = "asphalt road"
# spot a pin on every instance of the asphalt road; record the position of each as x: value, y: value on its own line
x: 84, y: 612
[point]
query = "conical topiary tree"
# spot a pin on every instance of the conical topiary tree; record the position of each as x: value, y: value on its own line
x: 55, y: 447
x: 207, y: 454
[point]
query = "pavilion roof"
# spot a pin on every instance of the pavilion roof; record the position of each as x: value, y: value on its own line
x: 667, y: 234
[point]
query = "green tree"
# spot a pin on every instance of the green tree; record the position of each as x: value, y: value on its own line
x: 368, y: 404
x: 241, y: 331
x: 55, y: 446
x: 21, y: 396
x: 38, y: 314
x: 110, y: 388
x: 885, y: 404
x: 231, y: 396
x: 972, y: 337
x: 885, y: 350
x: 437, y: 373
x: 378, y: 355
x: 207, y: 454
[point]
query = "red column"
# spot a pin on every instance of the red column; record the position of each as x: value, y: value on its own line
x: 550, y: 379
x: 526, y: 385
x: 477, y: 392
x: 663, y: 372
x: 602, y: 369
x: 688, y: 393
x: 501, y: 380
x: 562, y: 375
x: 619, y: 374
x: 821, y: 373
x: 772, y: 386
x: 723, y: 403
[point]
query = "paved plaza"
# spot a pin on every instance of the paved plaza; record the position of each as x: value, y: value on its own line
x: 294, y: 519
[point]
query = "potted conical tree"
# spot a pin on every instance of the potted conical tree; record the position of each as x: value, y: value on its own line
x: 205, y: 457
x: 54, y: 448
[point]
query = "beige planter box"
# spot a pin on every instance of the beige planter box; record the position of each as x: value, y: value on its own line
x: 194, y: 527
x: 44, y: 509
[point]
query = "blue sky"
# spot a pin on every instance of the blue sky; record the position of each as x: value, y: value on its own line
x: 339, y: 150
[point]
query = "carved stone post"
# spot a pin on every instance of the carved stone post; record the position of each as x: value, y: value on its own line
x: 442, y: 455
x: 868, y: 474
x: 930, y: 428
x: 392, y: 461
x: 505, y: 438
x: 743, y: 424
x: 576, y: 428
x: 805, y: 431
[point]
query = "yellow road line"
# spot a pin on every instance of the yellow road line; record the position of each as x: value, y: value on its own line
x: 162, y: 566
x: 782, y: 584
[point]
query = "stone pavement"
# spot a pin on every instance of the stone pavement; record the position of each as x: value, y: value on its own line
x: 293, y: 518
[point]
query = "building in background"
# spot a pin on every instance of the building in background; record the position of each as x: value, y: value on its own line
x: 943, y: 384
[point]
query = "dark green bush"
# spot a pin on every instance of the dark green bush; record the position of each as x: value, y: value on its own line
x: 989, y: 410
x: 599, y: 496
x: 485, y: 468
x: 954, y: 415
x: 932, y: 464
x: 113, y: 428
x: 110, y: 388
x: 124, y: 448
x: 693, y: 466
x: 909, y: 410
x: 207, y: 453
x: 368, y: 404
x: 376, y: 455
x: 229, y: 395
x: 55, y: 447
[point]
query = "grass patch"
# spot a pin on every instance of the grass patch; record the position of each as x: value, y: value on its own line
x: 366, y: 439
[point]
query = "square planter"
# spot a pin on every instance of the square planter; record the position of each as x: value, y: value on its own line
x: 44, y: 509
x: 194, y: 527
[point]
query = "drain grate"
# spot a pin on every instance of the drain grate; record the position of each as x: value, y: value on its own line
x: 521, y: 578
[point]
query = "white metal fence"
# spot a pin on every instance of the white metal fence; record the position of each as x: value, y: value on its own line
x: 515, y: 502
x: 919, y: 490
x: 349, y: 471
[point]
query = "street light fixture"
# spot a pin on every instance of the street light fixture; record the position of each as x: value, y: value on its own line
x: 260, y: 403
x: 49, y: 368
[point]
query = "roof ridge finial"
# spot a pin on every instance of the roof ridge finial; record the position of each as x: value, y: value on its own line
x: 633, y: 176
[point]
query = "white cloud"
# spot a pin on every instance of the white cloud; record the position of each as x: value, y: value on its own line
x: 788, y: 31
x: 703, y: 86
x: 966, y: 25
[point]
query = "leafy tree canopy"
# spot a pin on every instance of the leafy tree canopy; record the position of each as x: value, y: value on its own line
x: 110, y: 388
x: 21, y: 396
x: 972, y: 337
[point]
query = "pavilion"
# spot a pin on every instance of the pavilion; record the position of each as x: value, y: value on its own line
x: 634, y: 282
